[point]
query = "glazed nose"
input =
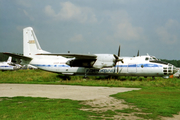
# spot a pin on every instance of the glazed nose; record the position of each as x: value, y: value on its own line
x: 174, y: 69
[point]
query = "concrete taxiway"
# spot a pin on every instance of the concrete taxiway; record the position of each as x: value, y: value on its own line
x: 60, y: 91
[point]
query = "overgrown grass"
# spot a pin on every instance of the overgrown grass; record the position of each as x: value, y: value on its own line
x: 27, y: 76
x: 159, y: 97
x: 43, y: 77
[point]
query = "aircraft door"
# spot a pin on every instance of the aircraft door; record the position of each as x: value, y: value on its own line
x: 132, y: 68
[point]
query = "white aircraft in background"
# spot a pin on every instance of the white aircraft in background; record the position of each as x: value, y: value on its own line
x: 8, y: 65
x: 90, y: 64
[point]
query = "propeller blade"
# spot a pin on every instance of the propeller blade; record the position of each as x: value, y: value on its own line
x: 138, y: 53
x: 118, y: 59
x: 119, y: 51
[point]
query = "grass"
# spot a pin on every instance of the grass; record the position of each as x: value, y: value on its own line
x: 43, y: 77
x: 27, y: 76
x: 155, y: 101
x: 41, y: 108
x: 109, y: 113
x: 159, y: 97
x: 127, y: 110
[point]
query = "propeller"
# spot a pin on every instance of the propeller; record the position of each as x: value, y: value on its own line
x: 117, y: 59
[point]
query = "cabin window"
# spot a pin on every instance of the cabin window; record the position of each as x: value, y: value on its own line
x: 146, y: 58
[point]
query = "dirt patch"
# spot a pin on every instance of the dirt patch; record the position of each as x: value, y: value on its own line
x: 101, y: 106
x: 175, y: 117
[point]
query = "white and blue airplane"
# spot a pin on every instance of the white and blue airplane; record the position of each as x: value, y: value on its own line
x: 8, y: 65
x: 90, y: 64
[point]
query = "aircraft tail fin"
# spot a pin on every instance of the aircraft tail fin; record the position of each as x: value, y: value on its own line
x: 31, y: 45
x: 9, y: 59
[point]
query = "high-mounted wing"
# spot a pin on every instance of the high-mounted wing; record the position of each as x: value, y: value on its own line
x: 18, y: 56
x: 80, y: 60
x: 71, y: 55
x: 89, y: 60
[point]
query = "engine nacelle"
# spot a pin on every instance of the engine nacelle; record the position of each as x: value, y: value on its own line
x: 104, y: 60
x: 88, y: 63
x: 101, y: 61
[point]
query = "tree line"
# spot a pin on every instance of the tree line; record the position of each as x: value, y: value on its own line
x: 173, y: 62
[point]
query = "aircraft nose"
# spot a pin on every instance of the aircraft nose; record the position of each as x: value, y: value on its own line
x: 174, y: 69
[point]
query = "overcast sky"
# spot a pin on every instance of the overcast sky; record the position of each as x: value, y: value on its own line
x: 94, y: 26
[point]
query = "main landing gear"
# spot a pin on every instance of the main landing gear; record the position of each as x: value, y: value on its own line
x: 85, y: 73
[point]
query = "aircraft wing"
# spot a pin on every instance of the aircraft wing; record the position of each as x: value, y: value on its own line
x: 71, y: 55
x: 18, y: 56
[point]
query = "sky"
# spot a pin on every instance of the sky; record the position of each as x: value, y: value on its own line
x: 94, y: 26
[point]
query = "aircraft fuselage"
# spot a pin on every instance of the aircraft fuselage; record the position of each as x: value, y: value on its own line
x: 132, y: 66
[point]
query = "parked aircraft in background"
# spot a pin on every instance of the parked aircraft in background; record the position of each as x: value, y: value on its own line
x: 29, y: 67
x: 9, y: 65
x: 90, y: 64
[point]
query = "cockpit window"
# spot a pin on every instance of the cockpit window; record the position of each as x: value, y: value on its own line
x: 154, y: 58
x: 146, y: 58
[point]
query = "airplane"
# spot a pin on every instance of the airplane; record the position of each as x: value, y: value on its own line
x: 8, y: 65
x: 90, y: 64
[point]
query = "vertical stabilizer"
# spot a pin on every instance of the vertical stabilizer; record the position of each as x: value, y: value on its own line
x: 9, y: 59
x: 30, y: 43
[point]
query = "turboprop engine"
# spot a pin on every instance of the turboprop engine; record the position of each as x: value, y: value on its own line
x: 101, y: 61
x: 107, y: 60
x: 97, y: 61
x: 104, y: 60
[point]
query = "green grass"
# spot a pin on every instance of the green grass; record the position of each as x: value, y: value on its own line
x: 159, y: 101
x: 41, y: 108
x: 45, y: 108
x: 27, y: 76
x: 43, y: 77
x: 109, y: 113
x: 159, y: 97
x: 127, y: 110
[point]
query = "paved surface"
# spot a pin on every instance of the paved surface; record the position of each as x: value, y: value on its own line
x: 59, y: 91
